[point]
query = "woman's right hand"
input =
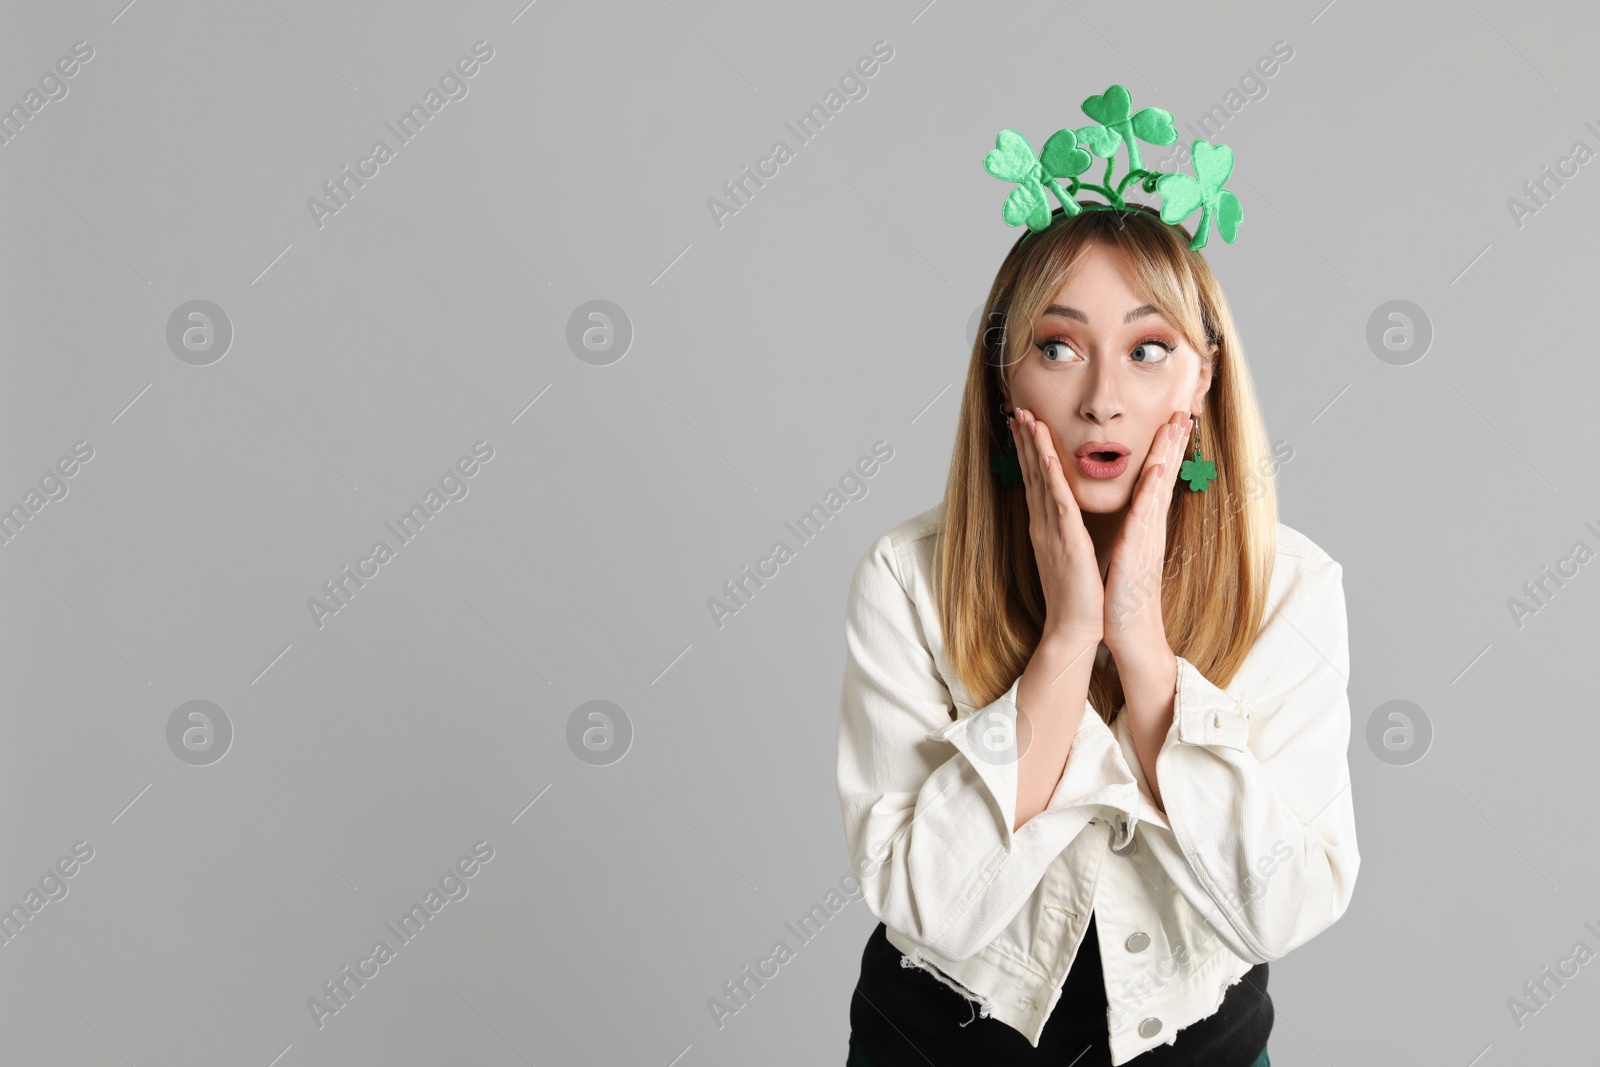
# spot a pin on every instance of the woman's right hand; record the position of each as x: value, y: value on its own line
x: 1069, y: 572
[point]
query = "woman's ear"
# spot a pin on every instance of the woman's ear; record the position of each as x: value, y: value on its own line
x: 1207, y: 366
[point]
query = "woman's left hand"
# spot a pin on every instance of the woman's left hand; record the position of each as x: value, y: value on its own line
x: 1134, y: 631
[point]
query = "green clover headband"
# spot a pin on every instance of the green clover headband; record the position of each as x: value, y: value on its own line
x: 1013, y: 160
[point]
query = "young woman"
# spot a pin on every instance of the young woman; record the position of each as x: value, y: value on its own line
x: 1093, y: 722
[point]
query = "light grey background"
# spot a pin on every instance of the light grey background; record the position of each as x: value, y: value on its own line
x: 768, y: 356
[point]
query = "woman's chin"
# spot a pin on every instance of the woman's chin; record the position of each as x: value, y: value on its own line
x: 1100, y: 496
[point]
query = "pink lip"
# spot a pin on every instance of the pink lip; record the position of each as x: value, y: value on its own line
x: 1099, y: 468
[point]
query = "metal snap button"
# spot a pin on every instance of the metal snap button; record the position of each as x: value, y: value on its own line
x: 1150, y: 1027
x: 1138, y: 942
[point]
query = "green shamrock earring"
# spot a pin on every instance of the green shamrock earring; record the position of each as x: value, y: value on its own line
x: 1004, y: 463
x: 1117, y: 124
x: 1197, y: 472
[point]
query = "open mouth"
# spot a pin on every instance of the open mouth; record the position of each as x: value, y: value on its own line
x: 1102, y: 463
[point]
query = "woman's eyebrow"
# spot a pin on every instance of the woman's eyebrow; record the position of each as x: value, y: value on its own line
x: 1073, y: 313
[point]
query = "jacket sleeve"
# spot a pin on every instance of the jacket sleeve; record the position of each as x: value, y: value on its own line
x: 928, y: 803
x: 1257, y: 788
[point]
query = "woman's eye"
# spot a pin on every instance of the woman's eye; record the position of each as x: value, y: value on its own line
x: 1065, y: 351
x: 1156, y: 352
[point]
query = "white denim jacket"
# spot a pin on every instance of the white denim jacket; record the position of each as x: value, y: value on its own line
x: 1255, y: 855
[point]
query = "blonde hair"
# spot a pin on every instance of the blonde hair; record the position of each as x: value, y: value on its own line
x: 1221, y: 543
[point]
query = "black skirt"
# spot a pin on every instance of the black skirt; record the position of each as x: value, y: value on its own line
x: 905, y: 1017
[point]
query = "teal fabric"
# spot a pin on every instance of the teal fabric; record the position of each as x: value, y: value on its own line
x: 859, y: 1058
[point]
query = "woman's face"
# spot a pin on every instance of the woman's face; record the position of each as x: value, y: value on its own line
x: 1104, y: 369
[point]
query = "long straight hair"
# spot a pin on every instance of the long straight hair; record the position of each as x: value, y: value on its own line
x: 1221, y: 542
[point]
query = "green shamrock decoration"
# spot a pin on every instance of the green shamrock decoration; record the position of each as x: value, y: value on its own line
x: 1197, y: 472
x: 1118, y: 124
x: 1006, y: 465
x: 1013, y: 160
x: 1113, y: 109
x: 1182, y: 194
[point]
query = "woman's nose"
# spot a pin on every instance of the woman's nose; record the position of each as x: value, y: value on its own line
x: 1100, y: 403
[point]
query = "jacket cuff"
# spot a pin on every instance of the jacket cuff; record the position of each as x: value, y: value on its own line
x: 1096, y: 776
x: 1203, y: 714
x: 987, y: 737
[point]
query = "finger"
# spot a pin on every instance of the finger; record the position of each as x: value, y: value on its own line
x: 1027, y: 459
x: 1159, y: 455
x: 1171, y: 467
x: 1036, y: 432
x: 1146, y: 496
x: 1180, y: 445
x: 1054, y: 477
x: 1172, y: 453
x: 1134, y: 564
x: 1174, y: 463
x: 1155, y: 484
x: 1038, y: 436
x: 1023, y: 435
